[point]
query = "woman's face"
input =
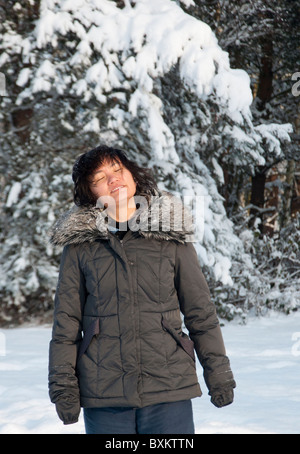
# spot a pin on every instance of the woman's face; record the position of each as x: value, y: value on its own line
x: 113, y: 180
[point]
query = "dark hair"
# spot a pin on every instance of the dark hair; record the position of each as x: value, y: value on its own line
x: 87, y: 164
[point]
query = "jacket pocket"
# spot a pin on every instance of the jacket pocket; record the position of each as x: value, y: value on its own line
x: 182, y: 339
x: 92, y: 330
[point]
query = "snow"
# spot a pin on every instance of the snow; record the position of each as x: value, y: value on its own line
x: 14, y: 193
x: 160, y: 34
x: 23, y: 77
x: 272, y: 132
x: 265, y: 358
x: 226, y: 83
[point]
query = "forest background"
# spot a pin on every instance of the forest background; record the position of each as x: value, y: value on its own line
x: 206, y: 94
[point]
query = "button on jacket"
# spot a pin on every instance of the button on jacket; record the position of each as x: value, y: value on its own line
x: 125, y: 298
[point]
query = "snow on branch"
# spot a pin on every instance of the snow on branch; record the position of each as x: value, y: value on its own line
x: 142, y: 43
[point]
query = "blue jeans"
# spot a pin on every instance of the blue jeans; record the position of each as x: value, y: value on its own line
x: 167, y: 418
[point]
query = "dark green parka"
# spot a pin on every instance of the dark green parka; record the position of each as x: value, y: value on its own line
x: 126, y: 296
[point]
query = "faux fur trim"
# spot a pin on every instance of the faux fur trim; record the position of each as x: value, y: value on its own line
x: 165, y: 218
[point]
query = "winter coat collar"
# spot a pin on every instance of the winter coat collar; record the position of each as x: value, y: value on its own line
x: 164, y: 218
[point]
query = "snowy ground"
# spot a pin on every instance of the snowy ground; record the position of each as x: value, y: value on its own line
x: 265, y: 358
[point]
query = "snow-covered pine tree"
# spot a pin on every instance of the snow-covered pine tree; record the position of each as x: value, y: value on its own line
x: 144, y: 76
x: 262, y: 37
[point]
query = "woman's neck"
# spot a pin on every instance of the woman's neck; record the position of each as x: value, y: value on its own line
x: 121, y: 213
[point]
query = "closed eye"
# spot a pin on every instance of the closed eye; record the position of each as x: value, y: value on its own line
x: 97, y: 181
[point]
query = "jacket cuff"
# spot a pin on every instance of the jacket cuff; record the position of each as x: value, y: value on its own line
x: 68, y: 423
x: 68, y: 412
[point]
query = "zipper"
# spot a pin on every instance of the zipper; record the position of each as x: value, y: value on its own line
x: 135, y: 315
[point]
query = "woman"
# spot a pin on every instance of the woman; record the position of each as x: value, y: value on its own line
x: 127, y: 272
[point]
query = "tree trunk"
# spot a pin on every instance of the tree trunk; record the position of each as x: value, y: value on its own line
x: 288, y: 194
x: 264, y: 93
x: 265, y: 84
x: 258, y: 197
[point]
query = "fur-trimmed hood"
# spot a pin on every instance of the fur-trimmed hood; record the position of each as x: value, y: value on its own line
x: 164, y: 218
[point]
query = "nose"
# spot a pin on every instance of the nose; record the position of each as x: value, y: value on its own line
x: 112, y: 178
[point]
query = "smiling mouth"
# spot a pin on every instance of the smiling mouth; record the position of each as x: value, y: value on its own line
x: 117, y: 189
